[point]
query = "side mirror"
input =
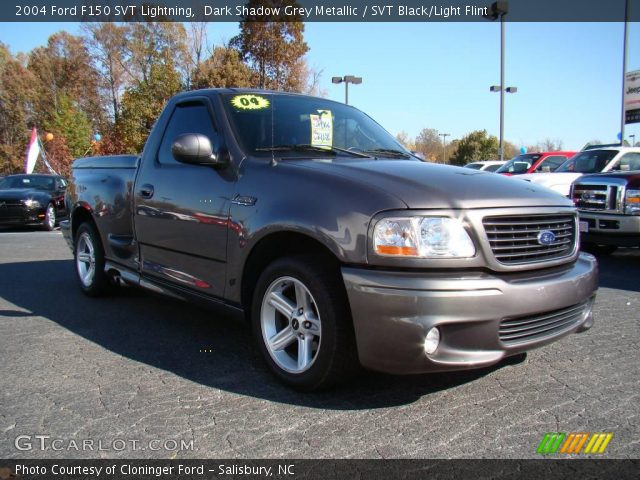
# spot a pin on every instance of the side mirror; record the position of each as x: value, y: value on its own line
x: 196, y: 149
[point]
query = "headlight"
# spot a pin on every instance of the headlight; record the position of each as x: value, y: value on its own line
x: 426, y: 237
x: 632, y: 202
x: 31, y: 203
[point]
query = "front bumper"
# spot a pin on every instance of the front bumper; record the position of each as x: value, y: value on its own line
x: 21, y: 215
x: 393, y: 311
x: 611, y: 229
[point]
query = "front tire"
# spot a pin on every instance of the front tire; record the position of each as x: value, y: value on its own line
x: 89, y: 261
x: 302, y: 323
x: 49, y: 222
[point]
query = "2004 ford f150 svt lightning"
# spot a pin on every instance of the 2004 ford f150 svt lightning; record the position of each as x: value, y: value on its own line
x: 341, y: 247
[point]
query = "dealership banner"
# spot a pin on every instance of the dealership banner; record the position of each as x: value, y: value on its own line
x: 318, y: 10
x: 318, y: 469
x: 632, y: 97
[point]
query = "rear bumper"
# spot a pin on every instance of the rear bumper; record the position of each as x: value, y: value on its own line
x: 611, y: 229
x: 393, y: 311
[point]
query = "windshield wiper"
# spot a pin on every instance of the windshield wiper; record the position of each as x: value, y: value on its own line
x: 302, y: 147
x: 389, y: 151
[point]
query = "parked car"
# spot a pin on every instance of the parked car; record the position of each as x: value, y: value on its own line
x: 340, y: 246
x: 609, y: 208
x: 542, y: 162
x: 587, y: 161
x: 486, y: 165
x: 33, y: 199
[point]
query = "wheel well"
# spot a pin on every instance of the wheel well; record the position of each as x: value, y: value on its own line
x: 80, y: 215
x: 272, y: 247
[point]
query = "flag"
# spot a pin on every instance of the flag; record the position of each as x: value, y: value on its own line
x: 32, y: 152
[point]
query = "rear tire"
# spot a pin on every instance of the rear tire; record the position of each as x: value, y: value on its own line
x: 302, y: 323
x: 89, y: 261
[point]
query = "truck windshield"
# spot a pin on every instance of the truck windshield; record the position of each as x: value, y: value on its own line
x: 295, y: 126
x: 519, y: 164
x: 589, y: 161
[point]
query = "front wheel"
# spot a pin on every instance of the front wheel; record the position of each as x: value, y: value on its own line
x: 89, y: 261
x: 49, y: 222
x: 302, y: 323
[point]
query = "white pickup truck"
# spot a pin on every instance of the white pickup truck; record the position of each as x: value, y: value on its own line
x: 588, y: 161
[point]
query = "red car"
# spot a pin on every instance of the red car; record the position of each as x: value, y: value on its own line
x: 534, y: 163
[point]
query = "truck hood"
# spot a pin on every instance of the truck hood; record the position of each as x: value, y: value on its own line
x: 429, y: 186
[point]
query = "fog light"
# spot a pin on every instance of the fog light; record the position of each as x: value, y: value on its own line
x: 432, y: 341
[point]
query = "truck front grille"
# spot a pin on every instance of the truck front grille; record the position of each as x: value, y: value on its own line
x: 595, y: 197
x: 519, y: 239
x: 525, y: 329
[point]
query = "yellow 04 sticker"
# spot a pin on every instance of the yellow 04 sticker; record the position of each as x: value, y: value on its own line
x: 249, y: 102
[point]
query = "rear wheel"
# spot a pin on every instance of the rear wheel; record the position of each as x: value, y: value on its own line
x: 89, y: 261
x: 49, y: 222
x: 302, y: 323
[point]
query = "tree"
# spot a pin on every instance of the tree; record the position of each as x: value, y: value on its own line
x: 72, y: 124
x: 510, y: 150
x: 272, y: 49
x: 551, y: 145
x: 64, y: 69
x: 223, y: 68
x: 429, y: 145
x: 476, y: 145
x: 403, y: 138
x: 150, y: 43
x: 107, y: 45
x: 15, y: 105
x: 143, y: 103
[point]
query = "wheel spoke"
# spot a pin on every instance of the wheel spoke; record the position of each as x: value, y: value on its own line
x: 281, y: 303
x: 304, y: 351
x: 303, y: 299
x: 84, y: 257
x: 282, y: 339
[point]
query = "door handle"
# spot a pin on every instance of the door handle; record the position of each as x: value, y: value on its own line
x: 146, y: 191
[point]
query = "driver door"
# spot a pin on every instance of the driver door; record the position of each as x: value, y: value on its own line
x: 182, y: 211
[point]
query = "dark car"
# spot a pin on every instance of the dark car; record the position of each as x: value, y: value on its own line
x: 32, y: 200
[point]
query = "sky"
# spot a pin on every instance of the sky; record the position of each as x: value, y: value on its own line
x: 437, y: 75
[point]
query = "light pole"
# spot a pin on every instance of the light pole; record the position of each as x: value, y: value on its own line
x: 347, y: 79
x: 633, y: 140
x: 444, y: 146
x: 500, y: 9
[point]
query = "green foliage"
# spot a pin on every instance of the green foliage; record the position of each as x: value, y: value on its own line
x: 477, y: 145
x: 143, y: 103
x: 72, y: 124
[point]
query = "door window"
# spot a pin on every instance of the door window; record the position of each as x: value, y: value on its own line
x: 186, y: 118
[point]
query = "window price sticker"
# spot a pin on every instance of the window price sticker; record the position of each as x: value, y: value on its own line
x: 322, y: 129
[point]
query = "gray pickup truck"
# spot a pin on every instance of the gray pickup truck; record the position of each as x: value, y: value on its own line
x: 340, y: 246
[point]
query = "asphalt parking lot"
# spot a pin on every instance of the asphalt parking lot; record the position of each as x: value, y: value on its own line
x: 155, y: 375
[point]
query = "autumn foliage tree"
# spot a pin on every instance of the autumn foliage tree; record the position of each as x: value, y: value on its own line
x: 274, y: 50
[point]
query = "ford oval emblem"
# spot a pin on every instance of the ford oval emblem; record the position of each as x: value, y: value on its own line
x: 546, y: 237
